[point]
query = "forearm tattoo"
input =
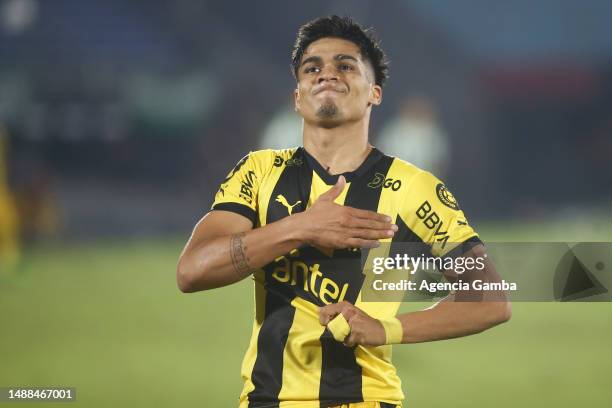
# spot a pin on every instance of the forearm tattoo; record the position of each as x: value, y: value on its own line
x: 240, y: 261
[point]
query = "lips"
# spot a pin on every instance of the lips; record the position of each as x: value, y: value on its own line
x: 328, y: 87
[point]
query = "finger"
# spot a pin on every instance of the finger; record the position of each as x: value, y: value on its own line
x: 371, y: 224
x: 335, y: 191
x: 369, y: 234
x: 349, y: 311
x: 361, y: 243
x: 327, y: 313
x: 369, y: 215
x: 350, y: 340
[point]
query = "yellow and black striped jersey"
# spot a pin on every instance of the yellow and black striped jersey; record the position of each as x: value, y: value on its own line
x: 293, y: 361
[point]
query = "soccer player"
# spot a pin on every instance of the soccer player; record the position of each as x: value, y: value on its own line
x: 296, y: 221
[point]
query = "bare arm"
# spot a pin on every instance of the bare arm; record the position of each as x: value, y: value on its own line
x: 467, y: 312
x: 463, y: 314
x: 224, y: 248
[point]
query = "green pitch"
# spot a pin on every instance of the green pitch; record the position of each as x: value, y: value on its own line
x: 107, y: 319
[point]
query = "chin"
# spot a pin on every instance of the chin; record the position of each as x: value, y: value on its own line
x: 328, y: 109
x: 329, y: 122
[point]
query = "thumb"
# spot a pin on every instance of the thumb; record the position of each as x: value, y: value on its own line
x: 335, y: 191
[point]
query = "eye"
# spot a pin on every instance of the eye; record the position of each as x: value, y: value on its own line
x: 345, y: 67
x: 311, y: 69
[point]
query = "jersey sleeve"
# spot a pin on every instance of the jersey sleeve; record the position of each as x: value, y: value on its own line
x: 239, y: 191
x: 433, y: 214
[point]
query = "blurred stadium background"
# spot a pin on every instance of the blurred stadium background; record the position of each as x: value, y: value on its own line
x: 119, y: 119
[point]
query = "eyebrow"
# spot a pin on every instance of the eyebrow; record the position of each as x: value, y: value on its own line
x: 341, y: 57
x: 338, y: 57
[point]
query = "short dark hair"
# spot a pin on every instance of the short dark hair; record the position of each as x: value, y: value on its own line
x: 346, y: 29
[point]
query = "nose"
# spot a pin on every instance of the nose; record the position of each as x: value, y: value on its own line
x: 328, y: 73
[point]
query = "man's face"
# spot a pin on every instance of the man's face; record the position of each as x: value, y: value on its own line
x: 335, y: 84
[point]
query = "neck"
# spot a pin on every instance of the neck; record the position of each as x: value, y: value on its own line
x: 339, y: 149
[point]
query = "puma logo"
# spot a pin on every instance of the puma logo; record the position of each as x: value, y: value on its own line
x: 283, y: 201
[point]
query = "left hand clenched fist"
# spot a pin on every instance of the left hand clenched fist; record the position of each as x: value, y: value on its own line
x: 364, y: 330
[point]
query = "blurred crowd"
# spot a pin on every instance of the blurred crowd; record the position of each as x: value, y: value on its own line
x: 121, y: 118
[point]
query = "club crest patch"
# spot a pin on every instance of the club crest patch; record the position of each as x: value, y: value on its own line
x: 446, y: 197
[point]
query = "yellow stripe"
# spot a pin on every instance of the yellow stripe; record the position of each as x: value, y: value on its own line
x: 379, y: 377
x: 302, y: 358
x: 366, y: 404
x: 319, y: 187
x: 339, y: 327
x: 439, y: 228
x: 265, y: 191
x: 251, y: 355
x: 267, y: 185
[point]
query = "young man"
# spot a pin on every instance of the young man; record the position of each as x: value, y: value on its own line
x: 297, y: 220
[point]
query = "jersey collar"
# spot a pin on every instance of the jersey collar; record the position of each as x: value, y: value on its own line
x: 373, y: 157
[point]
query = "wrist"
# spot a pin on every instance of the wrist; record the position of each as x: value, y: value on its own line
x: 298, y: 230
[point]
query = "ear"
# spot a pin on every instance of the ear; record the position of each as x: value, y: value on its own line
x: 296, y: 99
x: 375, y: 95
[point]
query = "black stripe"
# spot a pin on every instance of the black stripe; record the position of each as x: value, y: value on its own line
x: 267, y: 376
x: 267, y: 372
x: 463, y: 247
x: 373, y: 157
x: 405, y: 235
x: 387, y: 405
x: 360, y: 194
x: 340, y: 374
x: 237, y: 208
